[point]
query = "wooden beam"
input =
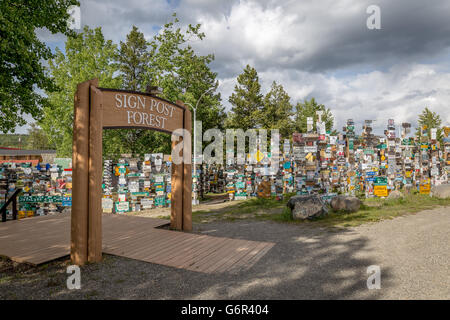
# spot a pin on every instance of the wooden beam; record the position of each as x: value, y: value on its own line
x: 187, y: 173
x: 176, y: 200
x: 80, y: 164
x: 95, y: 176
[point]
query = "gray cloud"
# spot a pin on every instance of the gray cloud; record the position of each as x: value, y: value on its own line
x: 314, y: 48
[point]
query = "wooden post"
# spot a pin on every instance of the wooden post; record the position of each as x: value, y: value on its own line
x: 80, y: 164
x: 95, y: 176
x: 187, y: 173
x: 176, y: 200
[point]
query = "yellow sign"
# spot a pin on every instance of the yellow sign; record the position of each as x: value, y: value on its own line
x: 424, y: 188
x: 259, y: 156
x: 446, y: 131
x: 380, y: 191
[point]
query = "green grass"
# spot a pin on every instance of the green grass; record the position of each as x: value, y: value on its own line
x: 254, y: 208
x: 372, y: 210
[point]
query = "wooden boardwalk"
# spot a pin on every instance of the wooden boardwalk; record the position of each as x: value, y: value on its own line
x: 42, y: 239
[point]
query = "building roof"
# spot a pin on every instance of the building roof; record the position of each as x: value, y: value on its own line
x: 9, y: 152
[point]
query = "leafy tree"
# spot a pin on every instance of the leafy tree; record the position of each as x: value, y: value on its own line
x: 22, y: 54
x: 183, y: 74
x: 277, y: 111
x: 37, y: 139
x: 431, y: 120
x: 246, y: 101
x: 88, y: 55
x: 309, y: 109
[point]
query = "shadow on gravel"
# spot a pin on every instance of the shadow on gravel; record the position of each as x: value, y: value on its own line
x: 305, y: 263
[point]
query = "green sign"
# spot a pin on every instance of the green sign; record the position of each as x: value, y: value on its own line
x: 40, y: 199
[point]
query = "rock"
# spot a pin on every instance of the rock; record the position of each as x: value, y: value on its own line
x: 345, y: 203
x: 306, y: 207
x: 396, y: 194
x: 441, y: 191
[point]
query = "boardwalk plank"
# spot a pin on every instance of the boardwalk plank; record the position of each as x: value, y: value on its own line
x: 38, y: 240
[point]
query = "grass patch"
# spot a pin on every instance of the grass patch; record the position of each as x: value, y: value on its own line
x: 372, y: 210
x: 254, y: 208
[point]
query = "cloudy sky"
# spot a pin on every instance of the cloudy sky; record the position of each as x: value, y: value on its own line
x: 314, y: 48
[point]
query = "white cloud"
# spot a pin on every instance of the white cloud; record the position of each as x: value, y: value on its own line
x: 400, y: 93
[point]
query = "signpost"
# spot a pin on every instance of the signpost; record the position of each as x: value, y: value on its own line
x: 96, y: 109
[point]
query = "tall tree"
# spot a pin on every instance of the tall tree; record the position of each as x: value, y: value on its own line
x: 183, y: 74
x: 22, y: 72
x: 309, y: 108
x: 88, y: 55
x: 431, y: 120
x: 277, y: 111
x: 246, y: 101
x: 133, y: 59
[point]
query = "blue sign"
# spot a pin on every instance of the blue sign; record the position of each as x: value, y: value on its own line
x: 67, y: 201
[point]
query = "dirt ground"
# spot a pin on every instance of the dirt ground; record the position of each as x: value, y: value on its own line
x: 307, y: 262
x: 214, y: 204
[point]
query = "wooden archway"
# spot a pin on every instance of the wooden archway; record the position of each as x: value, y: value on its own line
x: 96, y: 109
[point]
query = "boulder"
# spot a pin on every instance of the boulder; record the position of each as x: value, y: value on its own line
x: 306, y: 207
x: 441, y: 191
x: 345, y: 203
x: 396, y: 194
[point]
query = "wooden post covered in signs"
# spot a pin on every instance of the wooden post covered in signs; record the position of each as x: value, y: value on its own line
x: 96, y: 109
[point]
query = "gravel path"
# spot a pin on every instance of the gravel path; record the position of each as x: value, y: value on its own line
x: 412, y: 251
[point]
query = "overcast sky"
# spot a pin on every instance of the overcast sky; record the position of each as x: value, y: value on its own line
x: 314, y: 48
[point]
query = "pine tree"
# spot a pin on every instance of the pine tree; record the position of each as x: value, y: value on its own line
x: 309, y: 109
x: 246, y: 101
x: 133, y: 60
x: 277, y: 111
x: 430, y: 120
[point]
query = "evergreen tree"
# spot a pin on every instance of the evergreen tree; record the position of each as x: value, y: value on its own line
x: 246, y: 101
x: 309, y: 109
x: 133, y: 60
x: 431, y: 120
x: 277, y: 111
